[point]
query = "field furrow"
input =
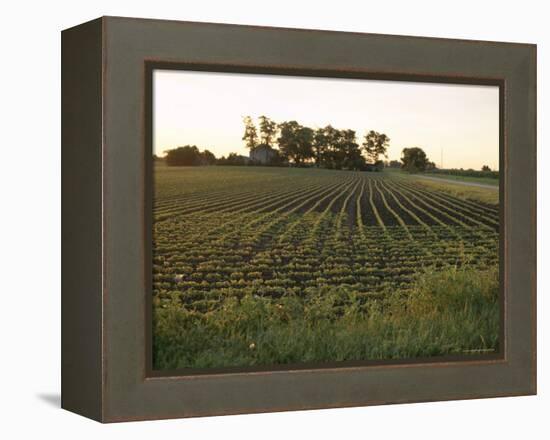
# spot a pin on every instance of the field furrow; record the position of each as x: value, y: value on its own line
x: 276, y: 232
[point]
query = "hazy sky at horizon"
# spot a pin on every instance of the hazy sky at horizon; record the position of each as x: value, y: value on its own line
x: 206, y: 109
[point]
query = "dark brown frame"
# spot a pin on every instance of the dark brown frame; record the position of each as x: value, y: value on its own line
x: 151, y: 66
x: 106, y: 176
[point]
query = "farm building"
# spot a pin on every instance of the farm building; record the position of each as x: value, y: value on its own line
x: 262, y: 154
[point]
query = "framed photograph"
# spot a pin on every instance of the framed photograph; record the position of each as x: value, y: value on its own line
x: 264, y: 219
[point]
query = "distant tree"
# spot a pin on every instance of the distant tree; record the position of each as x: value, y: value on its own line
x: 232, y: 159
x: 414, y: 160
x: 394, y: 164
x: 320, y: 143
x: 208, y: 158
x: 468, y: 173
x: 305, y: 144
x: 349, y: 154
x: 330, y: 153
x: 375, y: 145
x: 277, y: 160
x: 188, y: 155
x: 250, y: 136
x: 295, y: 142
x: 341, y: 149
x: 379, y: 165
x: 268, y: 131
x: 485, y: 168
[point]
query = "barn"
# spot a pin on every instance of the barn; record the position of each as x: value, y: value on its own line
x: 263, y: 154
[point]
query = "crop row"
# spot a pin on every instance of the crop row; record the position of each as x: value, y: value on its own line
x: 288, y: 233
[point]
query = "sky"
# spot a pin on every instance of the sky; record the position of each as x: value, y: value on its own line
x: 456, y: 125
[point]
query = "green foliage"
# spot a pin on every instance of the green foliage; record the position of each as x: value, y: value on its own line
x: 327, y: 147
x: 379, y: 165
x: 337, y: 149
x: 414, y: 160
x: 232, y: 159
x: 189, y: 155
x: 320, y: 144
x: 455, y: 311
x: 485, y: 173
x: 475, y: 194
x: 241, y: 252
x: 207, y: 158
x: 250, y: 136
x: 268, y: 131
x: 295, y: 142
x: 376, y: 145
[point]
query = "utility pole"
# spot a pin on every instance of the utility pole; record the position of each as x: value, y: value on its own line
x: 441, y: 163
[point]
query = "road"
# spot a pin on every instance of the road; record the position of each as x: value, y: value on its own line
x: 461, y: 182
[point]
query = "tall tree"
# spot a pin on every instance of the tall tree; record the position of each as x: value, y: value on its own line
x: 305, y: 144
x: 376, y: 144
x: 350, y: 152
x: 319, y: 145
x: 414, y: 160
x: 340, y: 149
x: 330, y: 156
x: 268, y: 131
x: 232, y: 159
x: 189, y: 155
x: 208, y: 158
x: 250, y: 136
x: 394, y: 164
x: 295, y: 142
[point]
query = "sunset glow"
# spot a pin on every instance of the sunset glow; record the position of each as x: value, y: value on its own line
x: 456, y: 124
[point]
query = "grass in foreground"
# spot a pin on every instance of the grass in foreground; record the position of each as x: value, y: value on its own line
x: 455, y: 311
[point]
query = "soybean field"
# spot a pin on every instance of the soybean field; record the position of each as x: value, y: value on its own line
x: 247, y: 254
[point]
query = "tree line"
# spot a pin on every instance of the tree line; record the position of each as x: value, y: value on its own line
x: 485, y: 172
x: 326, y: 147
x: 188, y: 156
x: 291, y: 143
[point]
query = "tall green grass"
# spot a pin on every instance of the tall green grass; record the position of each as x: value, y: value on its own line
x: 450, y: 312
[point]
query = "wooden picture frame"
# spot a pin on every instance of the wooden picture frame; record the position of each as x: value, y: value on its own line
x: 106, y: 215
